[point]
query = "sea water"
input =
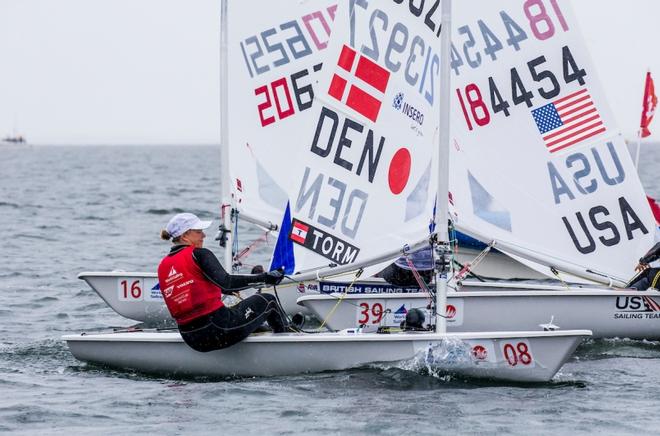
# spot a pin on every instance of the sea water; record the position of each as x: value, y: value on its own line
x: 64, y: 210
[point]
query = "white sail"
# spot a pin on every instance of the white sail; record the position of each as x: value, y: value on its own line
x: 537, y: 160
x: 273, y: 56
x: 367, y: 175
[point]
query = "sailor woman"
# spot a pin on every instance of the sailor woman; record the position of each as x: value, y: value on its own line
x: 193, y: 281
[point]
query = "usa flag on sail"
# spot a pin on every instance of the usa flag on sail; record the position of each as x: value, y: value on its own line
x: 568, y: 120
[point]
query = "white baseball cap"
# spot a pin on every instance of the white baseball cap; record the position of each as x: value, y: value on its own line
x: 182, y: 222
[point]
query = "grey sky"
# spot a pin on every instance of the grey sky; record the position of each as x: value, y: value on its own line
x: 146, y: 71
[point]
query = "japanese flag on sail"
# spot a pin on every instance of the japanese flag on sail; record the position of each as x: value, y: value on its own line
x: 648, y: 106
x: 568, y: 120
x: 366, y: 82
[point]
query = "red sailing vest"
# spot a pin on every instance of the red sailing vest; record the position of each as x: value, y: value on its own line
x: 188, y: 294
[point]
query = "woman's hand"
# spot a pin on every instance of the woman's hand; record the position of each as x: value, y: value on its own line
x: 274, y: 277
x: 641, y: 267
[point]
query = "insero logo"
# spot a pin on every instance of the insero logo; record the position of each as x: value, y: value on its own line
x: 398, y: 101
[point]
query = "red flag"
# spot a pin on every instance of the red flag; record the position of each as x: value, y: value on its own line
x: 299, y: 232
x: 648, y: 106
x: 655, y: 208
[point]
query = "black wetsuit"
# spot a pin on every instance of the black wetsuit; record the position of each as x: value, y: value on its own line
x: 228, y: 325
x: 649, y: 278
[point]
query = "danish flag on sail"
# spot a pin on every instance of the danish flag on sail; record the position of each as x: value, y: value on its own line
x: 568, y: 120
x: 648, y: 106
x: 365, y: 94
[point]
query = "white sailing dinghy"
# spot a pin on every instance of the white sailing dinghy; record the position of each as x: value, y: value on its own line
x: 534, y: 147
x: 136, y: 295
x: 508, y: 356
x: 476, y: 307
x: 609, y: 312
x: 626, y: 313
x: 276, y: 89
x: 519, y: 356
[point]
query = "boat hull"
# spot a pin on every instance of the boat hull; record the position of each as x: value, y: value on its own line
x: 119, y: 288
x: 477, y: 307
x: 133, y: 295
x: 514, y: 356
x: 608, y: 313
x: 136, y: 296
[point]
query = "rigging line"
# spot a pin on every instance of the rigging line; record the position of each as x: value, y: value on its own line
x: 556, y: 273
x: 418, y: 278
x: 332, y: 295
x: 632, y: 280
x: 245, y: 252
x: 288, y: 318
x: 279, y: 303
x: 358, y: 271
x: 467, y: 268
x: 358, y: 274
x: 234, y: 245
x: 339, y: 300
x: 471, y: 273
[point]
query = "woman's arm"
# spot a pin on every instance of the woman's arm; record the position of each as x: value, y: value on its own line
x: 214, y: 271
x: 652, y: 255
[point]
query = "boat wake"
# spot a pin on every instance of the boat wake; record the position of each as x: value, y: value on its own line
x: 440, y: 360
x: 596, y: 349
x: 20, y: 358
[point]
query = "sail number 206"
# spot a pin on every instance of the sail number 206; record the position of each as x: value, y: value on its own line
x: 276, y: 102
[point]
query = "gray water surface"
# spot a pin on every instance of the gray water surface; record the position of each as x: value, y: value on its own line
x: 64, y: 210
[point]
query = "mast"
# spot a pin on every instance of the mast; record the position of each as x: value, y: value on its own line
x: 443, y: 172
x: 226, y: 214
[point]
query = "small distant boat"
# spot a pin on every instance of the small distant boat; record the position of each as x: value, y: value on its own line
x: 14, y: 139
